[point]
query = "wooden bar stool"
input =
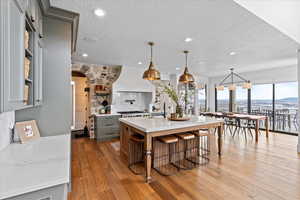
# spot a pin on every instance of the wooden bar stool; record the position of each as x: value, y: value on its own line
x: 202, y: 147
x: 136, y: 154
x: 185, y: 151
x: 164, y: 155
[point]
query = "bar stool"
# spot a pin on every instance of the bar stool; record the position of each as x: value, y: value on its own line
x: 164, y: 155
x: 136, y: 154
x: 202, y: 146
x: 185, y: 151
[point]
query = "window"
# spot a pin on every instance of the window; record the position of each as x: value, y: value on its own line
x: 262, y: 98
x: 241, y: 100
x: 286, y: 107
x: 202, y: 99
x: 223, y: 100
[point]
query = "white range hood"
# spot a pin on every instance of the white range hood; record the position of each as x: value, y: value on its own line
x: 131, y: 80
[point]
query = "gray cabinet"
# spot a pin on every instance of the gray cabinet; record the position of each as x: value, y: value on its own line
x: 18, y: 91
x: 13, y: 55
x: 53, y: 193
x: 38, y: 71
x: 107, y: 127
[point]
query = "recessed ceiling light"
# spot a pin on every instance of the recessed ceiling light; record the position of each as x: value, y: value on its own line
x: 140, y: 63
x: 232, y: 53
x: 177, y: 68
x: 99, y: 12
x: 85, y: 55
x: 188, y: 39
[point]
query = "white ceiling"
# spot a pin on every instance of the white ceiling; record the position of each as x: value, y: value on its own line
x: 217, y: 27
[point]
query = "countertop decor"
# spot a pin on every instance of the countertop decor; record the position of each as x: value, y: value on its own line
x: 173, y: 95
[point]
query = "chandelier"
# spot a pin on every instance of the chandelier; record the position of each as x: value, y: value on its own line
x: 232, y: 80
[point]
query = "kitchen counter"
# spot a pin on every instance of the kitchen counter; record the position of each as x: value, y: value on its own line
x: 118, y: 114
x: 33, y: 166
x: 161, y: 124
x: 104, y: 115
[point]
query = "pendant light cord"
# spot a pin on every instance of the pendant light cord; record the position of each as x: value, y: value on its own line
x: 186, y: 59
x: 151, y: 53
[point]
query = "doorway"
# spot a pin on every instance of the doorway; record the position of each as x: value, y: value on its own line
x: 80, y: 95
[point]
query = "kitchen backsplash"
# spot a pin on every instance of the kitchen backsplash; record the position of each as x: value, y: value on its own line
x: 132, y: 101
x: 7, y: 121
x: 103, y: 77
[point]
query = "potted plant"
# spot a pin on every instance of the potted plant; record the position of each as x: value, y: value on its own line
x: 173, y: 95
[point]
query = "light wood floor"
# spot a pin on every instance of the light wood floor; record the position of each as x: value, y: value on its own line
x: 267, y: 170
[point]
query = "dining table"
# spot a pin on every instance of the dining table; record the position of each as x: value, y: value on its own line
x: 239, y: 116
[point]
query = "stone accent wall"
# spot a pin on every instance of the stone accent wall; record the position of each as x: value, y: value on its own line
x: 99, y: 75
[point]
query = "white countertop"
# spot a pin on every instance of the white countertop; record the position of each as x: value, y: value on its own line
x: 159, y: 124
x: 105, y: 115
x: 35, y: 165
x: 118, y: 114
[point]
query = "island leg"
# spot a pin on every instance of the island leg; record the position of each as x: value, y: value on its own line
x: 256, y: 130
x: 148, y: 152
x: 220, y: 133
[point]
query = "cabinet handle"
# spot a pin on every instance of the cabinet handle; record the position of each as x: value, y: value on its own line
x: 32, y: 18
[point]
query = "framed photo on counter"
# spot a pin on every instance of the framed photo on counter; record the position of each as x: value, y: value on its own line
x: 27, y: 130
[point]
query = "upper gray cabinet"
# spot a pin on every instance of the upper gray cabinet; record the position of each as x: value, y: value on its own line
x: 38, y: 72
x: 13, y: 55
x: 21, y: 55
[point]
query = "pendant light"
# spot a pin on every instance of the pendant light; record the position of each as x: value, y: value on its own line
x: 151, y: 73
x: 186, y: 77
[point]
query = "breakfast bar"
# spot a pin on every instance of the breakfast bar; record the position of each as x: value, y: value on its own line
x: 150, y: 128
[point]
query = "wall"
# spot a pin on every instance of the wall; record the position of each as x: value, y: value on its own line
x: 298, y: 75
x: 276, y: 75
x: 54, y: 116
x: 141, y: 101
x: 7, y: 121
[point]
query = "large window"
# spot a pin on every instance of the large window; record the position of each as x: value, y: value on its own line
x: 241, y: 100
x: 286, y: 107
x: 262, y: 98
x: 278, y: 101
x: 202, y: 99
x: 223, y: 100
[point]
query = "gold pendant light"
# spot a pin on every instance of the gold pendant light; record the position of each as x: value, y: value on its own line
x: 151, y: 73
x: 186, y: 77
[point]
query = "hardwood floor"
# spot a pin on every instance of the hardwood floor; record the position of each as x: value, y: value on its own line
x: 267, y: 170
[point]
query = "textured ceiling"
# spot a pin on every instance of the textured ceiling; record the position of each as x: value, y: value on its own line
x: 217, y: 27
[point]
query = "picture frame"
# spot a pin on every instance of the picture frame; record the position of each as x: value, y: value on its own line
x: 27, y: 131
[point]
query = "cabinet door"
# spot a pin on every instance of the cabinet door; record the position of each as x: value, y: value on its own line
x: 38, y: 71
x: 14, y: 28
x: 39, y: 21
x: 40, y: 80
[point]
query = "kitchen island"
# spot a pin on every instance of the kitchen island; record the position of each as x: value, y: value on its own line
x: 155, y: 127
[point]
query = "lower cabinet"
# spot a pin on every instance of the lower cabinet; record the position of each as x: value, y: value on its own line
x: 107, y: 127
x: 59, y: 192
